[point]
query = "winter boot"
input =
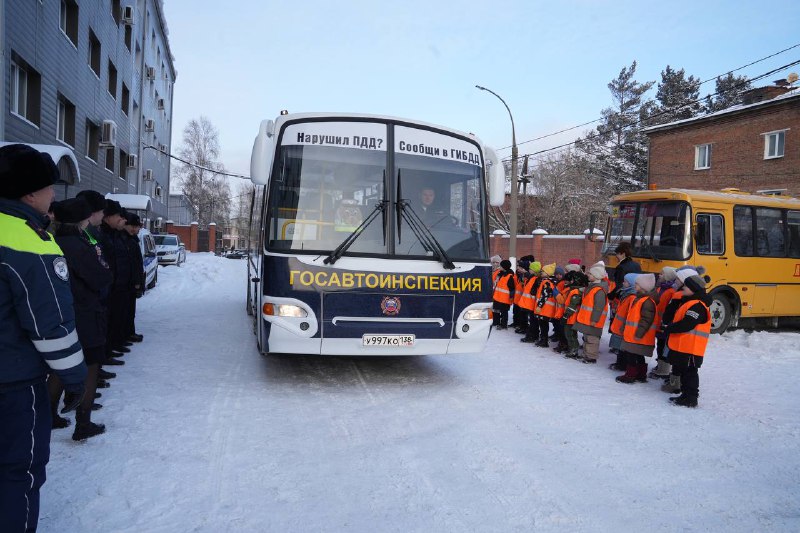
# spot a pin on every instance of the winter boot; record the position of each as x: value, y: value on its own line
x: 98, y: 395
x: 103, y: 384
x: 542, y: 343
x: 97, y: 406
x: 528, y: 338
x: 661, y: 370
x: 561, y: 348
x: 684, y: 401
x: 121, y: 349
x: 136, y: 338
x: 641, y: 373
x: 105, y: 374
x: 673, y: 386
x: 84, y: 427
x: 629, y: 376
x: 59, y: 422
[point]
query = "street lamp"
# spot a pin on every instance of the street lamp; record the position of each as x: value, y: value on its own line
x: 512, y: 240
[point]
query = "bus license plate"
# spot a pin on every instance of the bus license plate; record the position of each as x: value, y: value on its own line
x: 391, y: 341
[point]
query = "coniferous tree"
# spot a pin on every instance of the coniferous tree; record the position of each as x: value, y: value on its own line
x: 728, y: 92
x: 678, y: 97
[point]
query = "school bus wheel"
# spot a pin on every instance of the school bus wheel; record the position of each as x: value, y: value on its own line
x: 721, y: 312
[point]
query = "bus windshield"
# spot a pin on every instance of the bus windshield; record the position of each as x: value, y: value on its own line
x: 657, y: 230
x: 321, y: 194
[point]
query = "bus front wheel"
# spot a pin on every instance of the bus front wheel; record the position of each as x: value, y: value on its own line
x: 721, y: 313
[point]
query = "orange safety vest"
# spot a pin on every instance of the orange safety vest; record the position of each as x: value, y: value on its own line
x: 692, y: 342
x: 548, y: 309
x: 664, y: 299
x: 502, y: 293
x: 526, y: 300
x: 494, y: 277
x: 561, y: 299
x: 574, y: 316
x: 517, y: 293
x: 632, y: 323
x: 585, y: 312
x: 618, y: 324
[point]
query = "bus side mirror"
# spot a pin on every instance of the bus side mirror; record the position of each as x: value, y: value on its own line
x: 263, y: 152
x: 496, y: 177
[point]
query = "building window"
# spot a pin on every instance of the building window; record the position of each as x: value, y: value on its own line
x: 123, y: 164
x: 128, y: 37
x: 110, y: 159
x: 124, y: 101
x: 702, y: 156
x: 116, y: 11
x: 92, y: 140
x: 94, y: 53
x: 26, y: 91
x: 773, y: 144
x: 65, y: 125
x: 112, y: 80
x: 68, y: 20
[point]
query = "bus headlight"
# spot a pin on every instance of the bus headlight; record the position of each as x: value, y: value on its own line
x: 284, y: 310
x: 482, y: 313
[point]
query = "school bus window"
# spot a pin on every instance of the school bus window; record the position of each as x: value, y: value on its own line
x: 793, y: 231
x: 770, y: 236
x: 743, y: 231
x: 710, y: 234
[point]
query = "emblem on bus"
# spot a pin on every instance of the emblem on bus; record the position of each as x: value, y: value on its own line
x: 390, y: 305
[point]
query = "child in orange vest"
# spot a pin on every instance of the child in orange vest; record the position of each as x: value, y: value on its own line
x: 687, y: 336
x: 576, y: 284
x: 503, y: 295
x: 639, y: 333
x: 545, y: 304
x: 528, y: 302
x: 593, y: 312
x: 625, y: 297
x: 666, y: 291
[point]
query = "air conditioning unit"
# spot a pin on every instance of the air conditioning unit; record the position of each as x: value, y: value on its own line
x: 161, y: 103
x: 149, y: 125
x: 150, y: 72
x: 133, y: 161
x: 127, y: 15
x: 157, y: 223
x: 148, y: 174
x: 109, y: 135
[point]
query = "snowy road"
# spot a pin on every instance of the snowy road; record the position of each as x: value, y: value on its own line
x: 206, y: 435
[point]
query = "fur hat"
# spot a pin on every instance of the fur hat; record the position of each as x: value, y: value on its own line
x: 495, y: 259
x: 95, y: 200
x: 646, y: 282
x: 668, y: 274
x: 597, y: 272
x: 549, y: 269
x: 576, y: 278
x: 24, y: 170
x: 630, y: 277
x: 535, y: 267
x: 695, y: 283
x: 71, y: 211
x: 112, y: 208
x: 505, y: 264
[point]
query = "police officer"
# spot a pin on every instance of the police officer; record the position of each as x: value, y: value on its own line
x: 37, y: 331
x: 131, y: 236
x: 116, y: 254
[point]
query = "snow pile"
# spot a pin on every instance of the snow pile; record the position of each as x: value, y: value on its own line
x: 206, y: 435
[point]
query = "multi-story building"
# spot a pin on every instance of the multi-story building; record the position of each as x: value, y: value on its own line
x: 181, y: 211
x: 95, y: 78
x: 753, y: 146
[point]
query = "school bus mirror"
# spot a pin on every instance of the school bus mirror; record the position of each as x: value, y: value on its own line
x: 496, y: 177
x: 263, y: 151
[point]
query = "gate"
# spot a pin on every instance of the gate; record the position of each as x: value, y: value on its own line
x: 202, y: 240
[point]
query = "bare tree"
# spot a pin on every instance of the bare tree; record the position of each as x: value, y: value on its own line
x: 199, y: 177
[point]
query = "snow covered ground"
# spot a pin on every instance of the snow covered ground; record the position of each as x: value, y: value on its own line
x: 203, y: 434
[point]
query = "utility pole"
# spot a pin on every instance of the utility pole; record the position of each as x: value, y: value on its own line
x: 512, y: 238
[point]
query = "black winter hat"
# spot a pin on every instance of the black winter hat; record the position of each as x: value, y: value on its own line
x: 24, y: 170
x: 112, y: 208
x: 95, y: 200
x: 505, y: 264
x: 72, y: 211
x: 576, y: 278
x: 132, y: 219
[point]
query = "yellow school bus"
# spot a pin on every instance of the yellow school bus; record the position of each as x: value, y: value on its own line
x: 749, y: 245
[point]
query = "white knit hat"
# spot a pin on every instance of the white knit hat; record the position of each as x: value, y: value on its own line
x: 597, y: 272
x: 668, y: 274
x: 572, y: 267
x: 647, y: 282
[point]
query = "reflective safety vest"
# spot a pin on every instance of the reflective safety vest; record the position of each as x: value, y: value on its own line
x: 587, y: 306
x: 548, y: 309
x: 692, y: 342
x: 570, y: 293
x: 664, y: 299
x: 526, y: 299
x: 518, y: 293
x: 618, y: 324
x: 495, y: 275
x: 502, y: 293
x: 634, y: 316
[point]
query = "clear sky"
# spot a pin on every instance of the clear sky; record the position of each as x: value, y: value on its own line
x: 242, y: 61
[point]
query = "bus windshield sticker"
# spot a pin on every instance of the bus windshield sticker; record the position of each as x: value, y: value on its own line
x: 361, y: 135
x: 416, y: 141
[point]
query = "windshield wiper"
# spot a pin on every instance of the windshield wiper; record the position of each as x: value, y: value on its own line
x: 356, y: 233
x: 422, y: 232
x: 649, y: 249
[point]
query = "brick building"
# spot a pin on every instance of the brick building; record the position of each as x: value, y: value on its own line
x: 753, y: 146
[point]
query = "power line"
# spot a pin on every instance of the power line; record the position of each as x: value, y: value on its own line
x: 701, y: 83
x: 194, y: 164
